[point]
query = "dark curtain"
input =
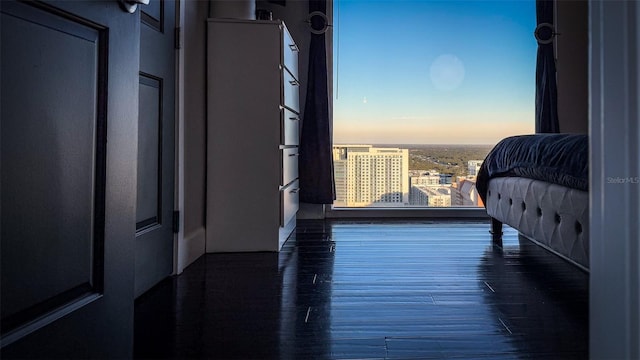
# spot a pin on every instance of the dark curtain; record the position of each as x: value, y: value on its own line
x: 546, y: 89
x: 316, y: 161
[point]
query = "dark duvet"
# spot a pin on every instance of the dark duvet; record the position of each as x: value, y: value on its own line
x: 561, y: 159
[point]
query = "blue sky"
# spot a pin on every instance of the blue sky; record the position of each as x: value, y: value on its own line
x: 433, y: 72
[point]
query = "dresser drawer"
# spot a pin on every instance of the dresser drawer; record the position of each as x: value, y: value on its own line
x: 289, y: 202
x: 289, y: 165
x: 289, y: 127
x: 290, y: 53
x: 291, y: 91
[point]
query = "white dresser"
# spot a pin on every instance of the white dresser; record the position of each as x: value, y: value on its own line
x: 252, y: 135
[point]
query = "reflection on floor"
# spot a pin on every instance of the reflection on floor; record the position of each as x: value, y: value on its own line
x: 380, y: 289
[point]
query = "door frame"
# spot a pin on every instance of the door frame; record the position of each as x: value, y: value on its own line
x: 180, y: 251
x: 179, y: 245
x: 614, y: 87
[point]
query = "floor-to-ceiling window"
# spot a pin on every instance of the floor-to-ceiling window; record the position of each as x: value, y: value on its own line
x: 422, y: 90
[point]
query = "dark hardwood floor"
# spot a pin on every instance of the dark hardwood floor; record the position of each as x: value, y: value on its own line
x: 380, y: 289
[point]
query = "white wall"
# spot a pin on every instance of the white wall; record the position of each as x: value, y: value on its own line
x: 614, y: 88
x: 233, y: 9
x: 191, y: 133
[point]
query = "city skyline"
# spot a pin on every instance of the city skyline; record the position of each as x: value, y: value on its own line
x: 438, y: 72
x: 366, y: 175
x: 371, y: 176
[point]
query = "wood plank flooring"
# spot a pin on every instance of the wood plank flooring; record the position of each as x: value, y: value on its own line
x: 383, y: 289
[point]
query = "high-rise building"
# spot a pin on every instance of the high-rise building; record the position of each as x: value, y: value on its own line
x: 473, y: 166
x: 371, y: 176
x: 432, y: 196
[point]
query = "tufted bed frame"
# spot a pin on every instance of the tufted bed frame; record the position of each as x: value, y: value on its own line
x: 553, y: 216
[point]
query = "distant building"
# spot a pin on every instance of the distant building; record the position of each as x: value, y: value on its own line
x: 445, y: 179
x: 466, y: 194
x: 371, y: 176
x: 425, y: 180
x: 473, y: 166
x: 432, y: 196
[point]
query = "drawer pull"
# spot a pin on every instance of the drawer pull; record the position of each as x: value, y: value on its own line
x: 294, y: 47
x: 295, y: 118
x: 296, y: 154
x: 294, y: 82
x: 294, y: 191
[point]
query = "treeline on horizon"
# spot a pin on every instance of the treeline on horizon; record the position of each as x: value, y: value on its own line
x: 446, y: 159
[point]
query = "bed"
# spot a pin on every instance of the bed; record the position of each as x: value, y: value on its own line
x: 538, y: 184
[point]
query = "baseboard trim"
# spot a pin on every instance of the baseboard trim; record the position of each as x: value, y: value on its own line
x: 192, y: 247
